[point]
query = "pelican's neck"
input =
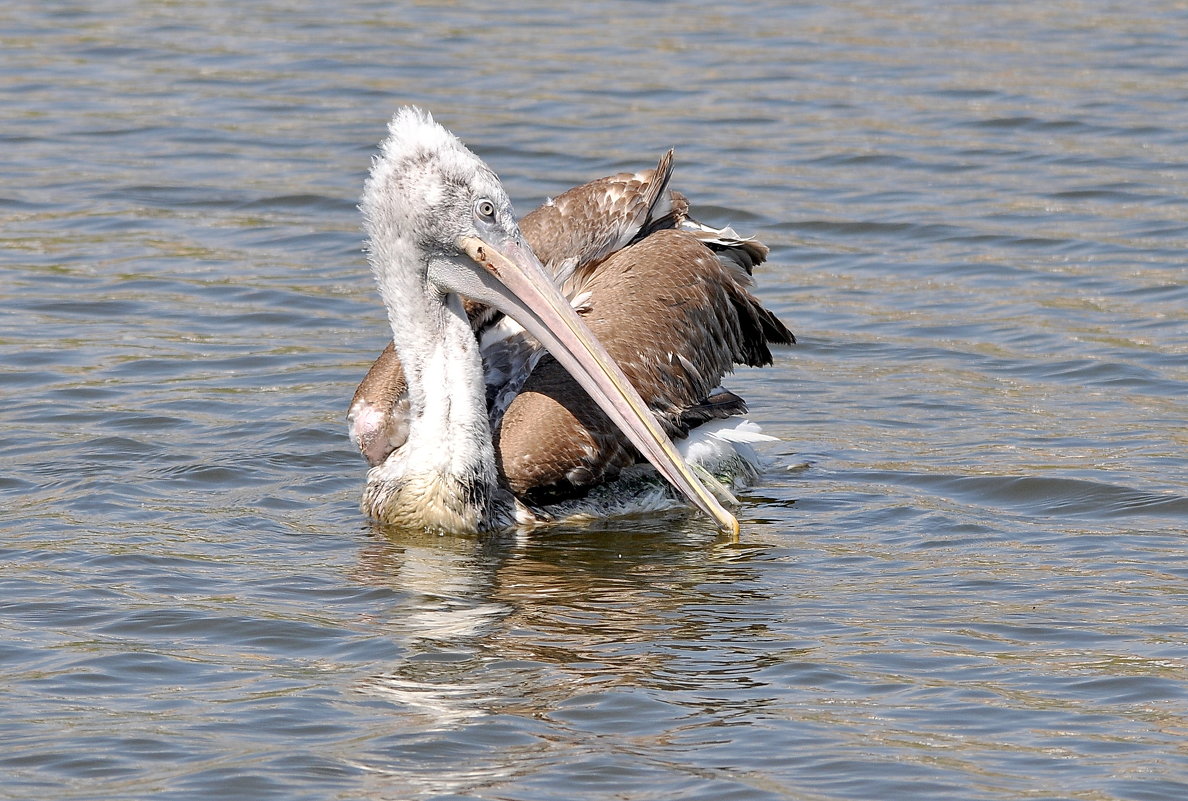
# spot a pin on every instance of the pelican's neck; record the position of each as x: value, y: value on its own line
x: 444, y: 475
x: 445, y: 377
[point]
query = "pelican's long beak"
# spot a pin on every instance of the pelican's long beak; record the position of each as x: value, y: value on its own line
x: 523, y: 290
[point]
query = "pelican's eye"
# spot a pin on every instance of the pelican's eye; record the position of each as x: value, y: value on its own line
x: 485, y: 210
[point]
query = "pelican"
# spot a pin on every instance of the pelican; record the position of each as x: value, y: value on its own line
x: 540, y: 370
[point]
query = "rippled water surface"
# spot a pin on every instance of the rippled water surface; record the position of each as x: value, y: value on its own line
x: 962, y: 577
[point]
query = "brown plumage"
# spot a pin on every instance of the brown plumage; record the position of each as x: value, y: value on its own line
x: 667, y: 297
x: 574, y: 232
x: 676, y: 320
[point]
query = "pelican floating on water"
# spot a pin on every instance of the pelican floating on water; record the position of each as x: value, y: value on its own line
x: 536, y: 370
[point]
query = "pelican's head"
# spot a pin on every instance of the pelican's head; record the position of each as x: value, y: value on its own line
x: 428, y: 196
x: 440, y: 223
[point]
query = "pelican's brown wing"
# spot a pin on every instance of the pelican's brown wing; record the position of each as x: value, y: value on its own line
x: 677, y: 319
x: 572, y: 233
x: 378, y: 417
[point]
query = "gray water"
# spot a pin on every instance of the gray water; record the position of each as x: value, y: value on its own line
x: 962, y: 576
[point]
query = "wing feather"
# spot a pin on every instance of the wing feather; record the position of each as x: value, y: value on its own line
x: 667, y: 294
